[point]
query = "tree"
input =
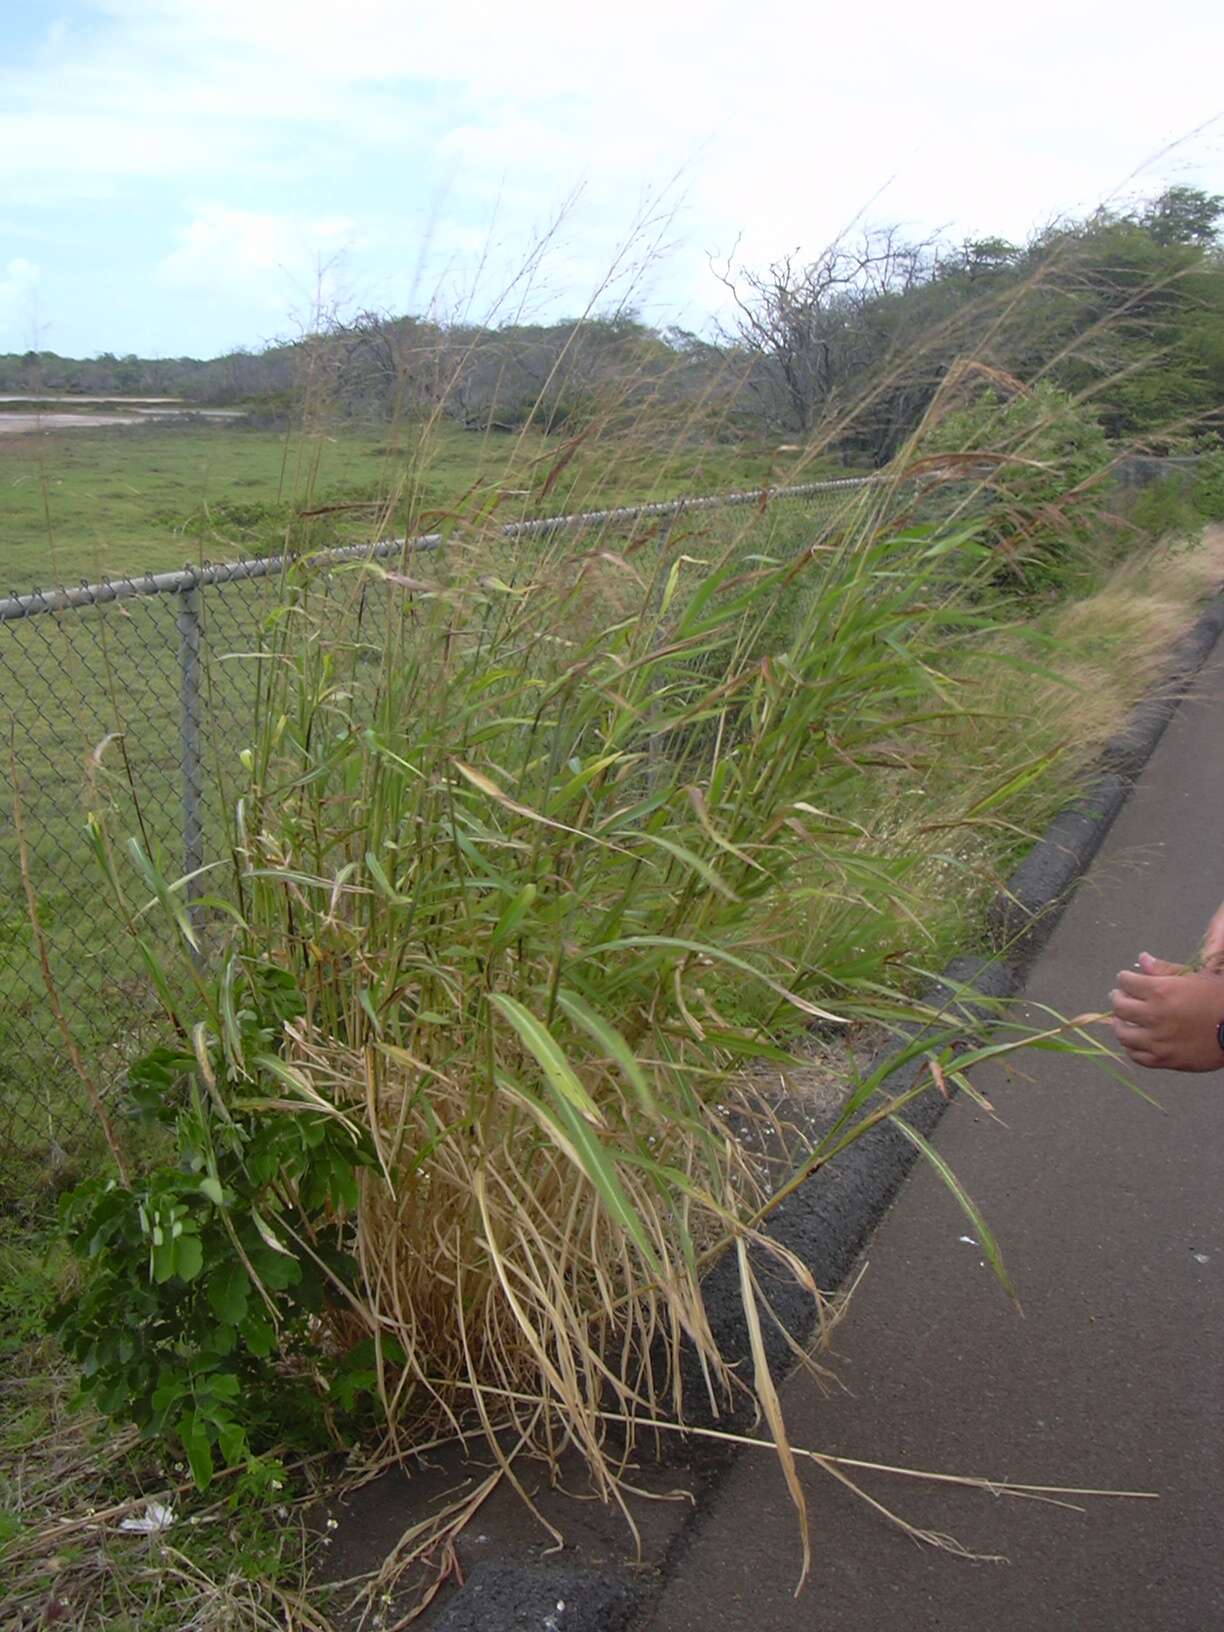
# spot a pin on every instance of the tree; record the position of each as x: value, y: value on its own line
x: 1124, y: 309
x: 1184, y: 215
x: 1135, y: 317
x: 810, y: 322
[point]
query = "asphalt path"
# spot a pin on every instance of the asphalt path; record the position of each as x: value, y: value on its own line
x: 1110, y: 1214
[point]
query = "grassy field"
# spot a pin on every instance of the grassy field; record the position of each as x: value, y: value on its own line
x: 98, y: 503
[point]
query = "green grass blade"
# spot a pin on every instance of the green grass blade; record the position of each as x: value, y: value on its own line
x: 542, y: 1045
x: 614, y: 1046
x: 964, y: 1200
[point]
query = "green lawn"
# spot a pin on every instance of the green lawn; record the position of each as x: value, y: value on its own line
x: 84, y: 504
x: 93, y: 503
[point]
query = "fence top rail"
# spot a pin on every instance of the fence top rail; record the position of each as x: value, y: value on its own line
x: 68, y: 598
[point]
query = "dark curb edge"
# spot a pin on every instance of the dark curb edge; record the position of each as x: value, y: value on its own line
x: 545, y: 1598
x: 827, y: 1221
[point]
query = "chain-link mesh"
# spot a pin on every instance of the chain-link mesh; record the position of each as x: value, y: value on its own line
x: 142, y: 695
x: 133, y: 703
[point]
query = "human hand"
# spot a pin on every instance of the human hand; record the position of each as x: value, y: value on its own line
x: 1167, y: 1018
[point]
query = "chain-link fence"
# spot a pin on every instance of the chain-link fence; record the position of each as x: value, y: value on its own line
x: 142, y: 692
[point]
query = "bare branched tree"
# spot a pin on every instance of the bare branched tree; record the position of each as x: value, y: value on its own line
x: 810, y: 322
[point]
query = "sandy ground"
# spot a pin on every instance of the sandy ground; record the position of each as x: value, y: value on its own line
x: 20, y: 424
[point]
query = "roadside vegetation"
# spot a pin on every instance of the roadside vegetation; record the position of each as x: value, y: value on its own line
x: 434, y: 1122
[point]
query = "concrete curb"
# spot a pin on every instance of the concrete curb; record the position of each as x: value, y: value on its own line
x: 539, y: 1598
x: 827, y: 1221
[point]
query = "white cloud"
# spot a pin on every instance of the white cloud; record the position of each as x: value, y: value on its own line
x: 805, y: 95
x: 277, y: 262
x: 18, y: 297
x: 782, y: 121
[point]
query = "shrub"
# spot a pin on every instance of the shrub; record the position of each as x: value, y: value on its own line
x: 189, y: 1290
x: 1041, y: 496
x: 1207, y: 494
x: 1166, y: 509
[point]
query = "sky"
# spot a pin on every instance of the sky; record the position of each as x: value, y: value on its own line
x: 183, y: 177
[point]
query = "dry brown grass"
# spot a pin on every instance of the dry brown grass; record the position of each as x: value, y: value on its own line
x: 1110, y: 647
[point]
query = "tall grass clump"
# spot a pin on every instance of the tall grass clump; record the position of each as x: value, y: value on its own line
x: 518, y: 872
x: 1041, y: 498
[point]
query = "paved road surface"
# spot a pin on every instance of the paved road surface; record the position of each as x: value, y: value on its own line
x: 1111, y: 1217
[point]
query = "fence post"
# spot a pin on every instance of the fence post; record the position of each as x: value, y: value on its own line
x: 190, y: 766
x: 656, y: 754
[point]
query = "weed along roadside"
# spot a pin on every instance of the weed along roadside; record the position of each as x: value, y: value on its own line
x: 160, y: 672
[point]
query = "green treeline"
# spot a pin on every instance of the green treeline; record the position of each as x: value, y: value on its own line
x: 1124, y: 309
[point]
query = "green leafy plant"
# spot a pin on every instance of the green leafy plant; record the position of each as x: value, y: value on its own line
x: 199, y: 1273
x: 1167, y: 509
